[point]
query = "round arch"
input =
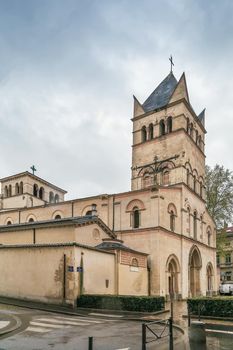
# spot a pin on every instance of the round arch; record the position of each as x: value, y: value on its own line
x: 135, y: 203
x: 195, y: 265
x: 31, y: 218
x: 57, y: 213
x: 87, y: 210
x: 8, y: 221
x: 172, y: 276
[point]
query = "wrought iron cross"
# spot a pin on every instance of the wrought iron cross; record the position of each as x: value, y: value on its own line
x: 33, y: 169
x: 172, y: 64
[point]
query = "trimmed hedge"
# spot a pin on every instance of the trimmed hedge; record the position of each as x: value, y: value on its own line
x: 122, y: 302
x: 212, y: 306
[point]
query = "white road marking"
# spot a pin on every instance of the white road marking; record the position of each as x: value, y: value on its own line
x: 3, y: 324
x: 47, y: 325
x: 38, y: 329
x: 79, y: 319
x: 105, y: 315
x: 53, y: 320
x: 219, y: 331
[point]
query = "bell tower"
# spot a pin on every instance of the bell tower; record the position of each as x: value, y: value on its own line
x: 168, y: 139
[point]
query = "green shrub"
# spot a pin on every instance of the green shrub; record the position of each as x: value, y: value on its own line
x: 212, y: 306
x: 122, y: 302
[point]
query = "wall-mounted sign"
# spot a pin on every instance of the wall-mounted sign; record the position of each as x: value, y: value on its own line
x: 79, y: 269
x: 70, y: 268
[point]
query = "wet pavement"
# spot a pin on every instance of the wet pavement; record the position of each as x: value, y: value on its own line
x: 42, y: 329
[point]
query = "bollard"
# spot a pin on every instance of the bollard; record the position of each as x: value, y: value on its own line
x: 90, y: 343
x: 197, y: 335
x: 143, y: 336
x: 189, y: 317
x: 170, y: 334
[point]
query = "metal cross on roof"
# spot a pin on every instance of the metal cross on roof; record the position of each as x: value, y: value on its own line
x: 172, y: 64
x: 33, y: 169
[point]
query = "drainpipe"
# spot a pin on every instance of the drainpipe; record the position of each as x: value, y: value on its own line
x: 64, y: 278
x: 113, y: 213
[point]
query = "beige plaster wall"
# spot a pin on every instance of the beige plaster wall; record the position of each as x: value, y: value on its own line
x: 36, y: 273
x: 98, y: 267
x: 91, y: 235
x: 132, y: 282
x: 16, y: 237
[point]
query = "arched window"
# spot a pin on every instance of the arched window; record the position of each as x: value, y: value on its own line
x: 56, y: 198
x: 35, y: 190
x: 6, y: 191
x: 194, y: 183
x: 134, y: 262
x: 172, y: 214
x: 187, y: 125
x: 188, y: 177
x: 146, y: 180
x: 201, y: 189
x: 196, y: 137
x: 195, y: 225
x: 209, y: 236
x: 143, y: 134
x: 136, y: 217
x: 41, y: 193
x: 10, y: 191
x: 189, y: 220
x: 151, y: 132
x: 161, y: 127
x: 57, y: 217
x: 51, y: 197
x: 9, y: 222
x: 89, y: 212
x: 16, y: 188
x: 31, y: 220
x: 169, y: 124
x: 199, y: 141
x: 191, y: 130
x: 172, y: 220
x: 201, y: 226
x: 166, y: 177
x: 21, y: 187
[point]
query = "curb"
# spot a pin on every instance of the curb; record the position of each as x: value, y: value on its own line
x: 12, y: 328
x: 65, y: 311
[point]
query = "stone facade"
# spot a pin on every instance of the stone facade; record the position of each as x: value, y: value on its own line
x: 164, y: 215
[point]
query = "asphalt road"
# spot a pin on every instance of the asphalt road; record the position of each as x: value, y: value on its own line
x: 44, y: 330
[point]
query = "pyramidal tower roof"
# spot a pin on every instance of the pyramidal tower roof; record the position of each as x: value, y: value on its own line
x: 161, y: 95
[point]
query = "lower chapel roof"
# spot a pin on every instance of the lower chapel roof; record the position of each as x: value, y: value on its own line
x: 79, y: 221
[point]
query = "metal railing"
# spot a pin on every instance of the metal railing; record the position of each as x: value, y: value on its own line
x: 200, y: 308
x: 158, y: 334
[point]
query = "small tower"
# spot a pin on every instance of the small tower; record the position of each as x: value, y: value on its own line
x: 168, y: 139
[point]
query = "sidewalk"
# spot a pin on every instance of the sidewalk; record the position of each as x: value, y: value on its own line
x: 69, y: 310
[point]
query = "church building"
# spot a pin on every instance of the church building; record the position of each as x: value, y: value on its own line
x: 156, y: 239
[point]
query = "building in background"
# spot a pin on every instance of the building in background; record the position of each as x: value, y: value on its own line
x: 225, y: 257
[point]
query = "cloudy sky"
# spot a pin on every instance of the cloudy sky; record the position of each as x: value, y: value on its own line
x: 69, y: 68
